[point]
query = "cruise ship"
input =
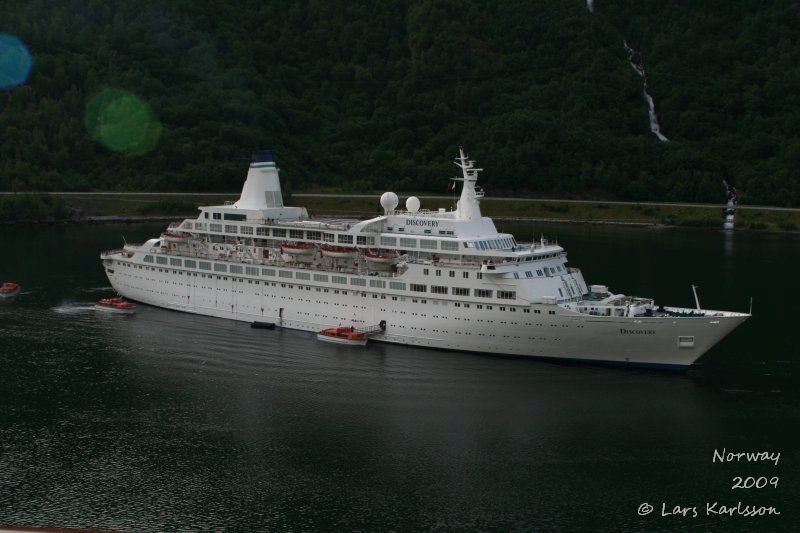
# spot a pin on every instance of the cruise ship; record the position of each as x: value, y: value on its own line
x: 429, y: 278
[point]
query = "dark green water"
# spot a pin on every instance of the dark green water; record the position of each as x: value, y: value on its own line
x: 170, y: 422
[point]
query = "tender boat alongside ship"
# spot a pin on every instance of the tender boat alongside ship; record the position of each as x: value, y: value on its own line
x: 439, y: 279
x: 343, y: 335
x: 115, y: 305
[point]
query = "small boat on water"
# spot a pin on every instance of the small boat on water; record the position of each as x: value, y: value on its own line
x: 115, y: 305
x: 343, y: 335
x: 8, y: 289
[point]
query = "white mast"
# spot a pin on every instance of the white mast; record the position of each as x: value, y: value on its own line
x: 468, y: 206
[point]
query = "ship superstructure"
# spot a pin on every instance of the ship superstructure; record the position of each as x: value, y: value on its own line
x: 440, y: 279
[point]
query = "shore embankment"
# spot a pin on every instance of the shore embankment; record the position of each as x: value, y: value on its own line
x: 73, y: 207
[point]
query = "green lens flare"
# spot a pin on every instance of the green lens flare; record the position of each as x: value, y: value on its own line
x: 122, y: 122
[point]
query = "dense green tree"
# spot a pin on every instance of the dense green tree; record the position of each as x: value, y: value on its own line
x: 375, y: 95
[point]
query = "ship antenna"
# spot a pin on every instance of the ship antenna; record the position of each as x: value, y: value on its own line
x: 751, y: 305
x: 696, y: 301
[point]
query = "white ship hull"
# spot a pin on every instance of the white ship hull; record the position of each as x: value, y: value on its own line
x: 640, y: 341
x: 457, y: 283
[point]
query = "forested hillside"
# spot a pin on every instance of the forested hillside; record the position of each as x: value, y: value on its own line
x: 371, y: 96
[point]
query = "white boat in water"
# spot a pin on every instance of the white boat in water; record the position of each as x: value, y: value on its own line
x: 459, y: 284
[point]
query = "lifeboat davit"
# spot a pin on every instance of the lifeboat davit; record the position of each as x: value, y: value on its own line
x: 298, y: 248
x: 339, y: 252
x: 343, y: 335
x: 115, y: 305
x: 381, y: 258
x: 8, y: 289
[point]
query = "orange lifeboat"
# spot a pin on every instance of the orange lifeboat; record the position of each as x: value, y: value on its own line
x: 298, y: 248
x: 380, y: 258
x: 115, y: 305
x: 8, y: 289
x: 339, y: 252
x: 343, y: 335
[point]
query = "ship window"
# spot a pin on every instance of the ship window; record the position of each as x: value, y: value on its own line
x: 284, y: 274
x: 235, y: 216
x: 328, y: 237
x: 507, y: 295
x: 189, y: 263
x: 516, y: 275
x: 361, y: 282
x: 408, y: 243
x: 361, y: 240
x: 526, y: 310
x: 250, y: 271
x: 229, y: 228
x: 217, y: 216
x: 417, y: 287
x: 296, y: 233
x: 206, y: 214
x: 303, y: 275
x: 219, y: 267
x: 339, y: 279
x: 246, y: 230
x: 483, y: 293
x: 215, y: 227
x: 465, y: 274
x: 321, y: 277
x: 438, y: 272
x: 267, y: 272
x: 480, y: 275
x: 205, y: 265
x: 263, y: 232
x: 148, y: 259
x: 388, y: 241
x: 427, y: 244
x: 278, y: 232
x: 460, y: 291
x: 438, y: 289
x: 175, y: 262
x: 452, y: 273
x: 379, y: 283
x: 449, y: 245
x: 397, y: 285
x: 236, y: 269
x: 161, y: 260
x: 345, y: 239
x: 529, y: 274
x: 313, y: 235
x: 425, y: 271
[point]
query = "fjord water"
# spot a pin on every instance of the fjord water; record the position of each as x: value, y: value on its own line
x: 165, y: 421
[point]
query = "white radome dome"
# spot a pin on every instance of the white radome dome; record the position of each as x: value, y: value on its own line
x: 412, y: 204
x: 389, y: 201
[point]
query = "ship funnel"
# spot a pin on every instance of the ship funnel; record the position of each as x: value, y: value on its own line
x: 262, y: 188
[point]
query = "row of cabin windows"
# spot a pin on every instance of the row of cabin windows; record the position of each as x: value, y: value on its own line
x: 506, y: 243
x: 281, y: 233
x: 435, y: 289
x: 343, y: 280
x: 424, y: 244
